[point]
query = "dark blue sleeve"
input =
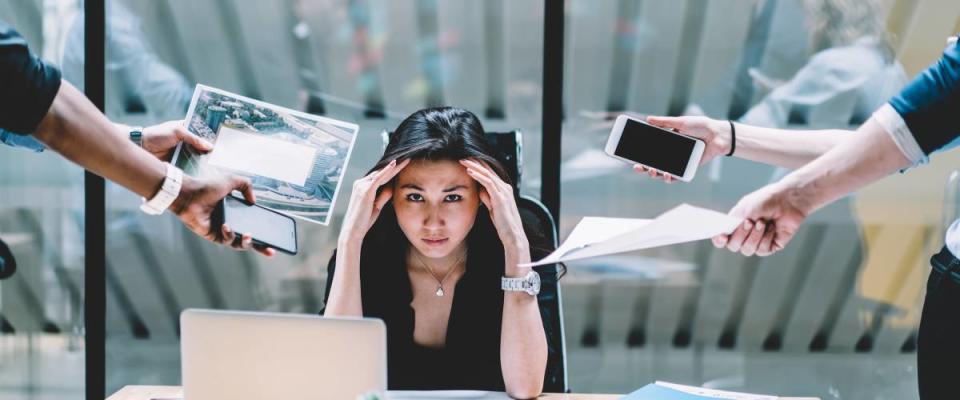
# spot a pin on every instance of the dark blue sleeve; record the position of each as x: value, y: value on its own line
x: 28, y: 85
x: 930, y: 105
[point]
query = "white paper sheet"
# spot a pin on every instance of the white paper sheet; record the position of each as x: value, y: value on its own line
x: 716, y: 394
x: 263, y: 156
x: 595, y: 236
x: 445, y: 394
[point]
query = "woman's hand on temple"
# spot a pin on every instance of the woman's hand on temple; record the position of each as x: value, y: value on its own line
x: 366, y: 203
x: 497, y: 196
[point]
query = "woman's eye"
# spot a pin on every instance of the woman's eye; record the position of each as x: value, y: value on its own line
x: 452, y: 198
x: 415, y: 197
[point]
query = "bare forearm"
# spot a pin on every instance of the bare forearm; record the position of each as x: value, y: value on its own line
x: 523, y: 343
x: 77, y: 130
x: 344, y: 299
x: 786, y: 148
x: 867, y: 156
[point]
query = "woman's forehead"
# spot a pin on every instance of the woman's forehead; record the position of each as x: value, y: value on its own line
x: 428, y: 174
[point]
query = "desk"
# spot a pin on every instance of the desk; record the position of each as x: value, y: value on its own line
x: 175, y: 392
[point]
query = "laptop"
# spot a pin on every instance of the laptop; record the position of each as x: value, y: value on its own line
x: 259, y: 356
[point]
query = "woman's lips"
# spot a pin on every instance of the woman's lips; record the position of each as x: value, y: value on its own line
x: 435, y: 242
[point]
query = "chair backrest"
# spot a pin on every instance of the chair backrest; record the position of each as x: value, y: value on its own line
x: 549, y: 300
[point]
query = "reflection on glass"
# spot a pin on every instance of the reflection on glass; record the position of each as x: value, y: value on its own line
x: 41, y: 220
x: 844, y: 300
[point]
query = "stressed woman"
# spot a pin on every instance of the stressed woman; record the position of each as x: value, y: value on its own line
x: 429, y: 234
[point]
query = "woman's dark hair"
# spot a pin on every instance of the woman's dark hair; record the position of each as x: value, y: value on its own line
x: 453, y: 134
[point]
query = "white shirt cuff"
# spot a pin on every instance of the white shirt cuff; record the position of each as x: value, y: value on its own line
x: 896, y: 127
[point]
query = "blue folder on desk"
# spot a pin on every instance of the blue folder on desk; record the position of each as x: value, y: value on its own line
x: 657, y: 392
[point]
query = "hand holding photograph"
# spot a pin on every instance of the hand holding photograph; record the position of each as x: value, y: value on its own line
x: 295, y: 160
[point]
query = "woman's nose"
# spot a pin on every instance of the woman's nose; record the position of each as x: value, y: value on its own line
x: 433, y: 218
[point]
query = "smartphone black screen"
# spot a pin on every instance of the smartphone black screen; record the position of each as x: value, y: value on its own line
x: 265, y: 226
x: 654, y: 147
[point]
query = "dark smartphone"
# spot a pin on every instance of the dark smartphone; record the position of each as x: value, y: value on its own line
x: 267, y: 227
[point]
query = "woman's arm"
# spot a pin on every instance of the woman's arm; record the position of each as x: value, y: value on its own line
x: 523, y: 342
x: 344, y: 297
x: 365, y: 206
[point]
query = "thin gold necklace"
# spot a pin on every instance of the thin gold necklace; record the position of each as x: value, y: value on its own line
x: 440, y: 292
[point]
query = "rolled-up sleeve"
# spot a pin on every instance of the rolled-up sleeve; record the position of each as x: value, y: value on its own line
x: 925, y: 116
x: 28, y: 84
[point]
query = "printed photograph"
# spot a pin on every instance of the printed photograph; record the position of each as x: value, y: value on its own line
x: 295, y: 160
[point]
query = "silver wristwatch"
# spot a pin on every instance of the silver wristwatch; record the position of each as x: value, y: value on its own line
x: 529, y: 283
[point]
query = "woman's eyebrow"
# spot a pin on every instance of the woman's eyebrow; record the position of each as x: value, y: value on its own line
x: 447, y: 190
x: 454, y: 188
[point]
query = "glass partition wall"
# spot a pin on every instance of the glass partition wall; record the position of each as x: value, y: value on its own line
x: 42, y: 336
x: 835, y: 314
x: 371, y: 62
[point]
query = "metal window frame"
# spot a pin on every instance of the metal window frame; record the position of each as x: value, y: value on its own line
x: 95, y: 294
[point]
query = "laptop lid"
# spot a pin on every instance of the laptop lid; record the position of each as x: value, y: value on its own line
x: 254, y: 356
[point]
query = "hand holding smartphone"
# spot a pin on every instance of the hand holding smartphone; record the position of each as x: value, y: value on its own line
x: 637, y: 142
x: 267, y: 227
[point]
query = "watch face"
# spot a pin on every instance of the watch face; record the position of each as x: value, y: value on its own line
x: 533, y: 283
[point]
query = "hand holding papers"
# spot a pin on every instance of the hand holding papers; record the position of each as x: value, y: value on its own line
x: 596, y: 236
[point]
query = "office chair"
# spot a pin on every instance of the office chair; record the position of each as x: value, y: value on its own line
x: 508, y: 147
x: 8, y: 265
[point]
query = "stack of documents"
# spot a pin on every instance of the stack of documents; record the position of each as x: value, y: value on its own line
x: 598, y: 236
x: 673, y: 391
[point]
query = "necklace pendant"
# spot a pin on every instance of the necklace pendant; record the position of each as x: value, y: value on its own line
x: 439, y: 291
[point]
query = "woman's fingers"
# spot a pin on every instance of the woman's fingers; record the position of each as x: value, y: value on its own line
x: 485, y: 198
x: 390, y: 171
x: 382, y: 198
x: 484, y: 175
x: 485, y: 169
x: 484, y: 180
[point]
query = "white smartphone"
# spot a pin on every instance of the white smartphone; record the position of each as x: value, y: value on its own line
x: 637, y: 142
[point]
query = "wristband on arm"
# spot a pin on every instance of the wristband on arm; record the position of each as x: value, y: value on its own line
x: 733, y: 139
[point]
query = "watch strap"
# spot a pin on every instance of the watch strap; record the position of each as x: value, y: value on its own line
x: 167, y: 194
x: 527, y: 283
